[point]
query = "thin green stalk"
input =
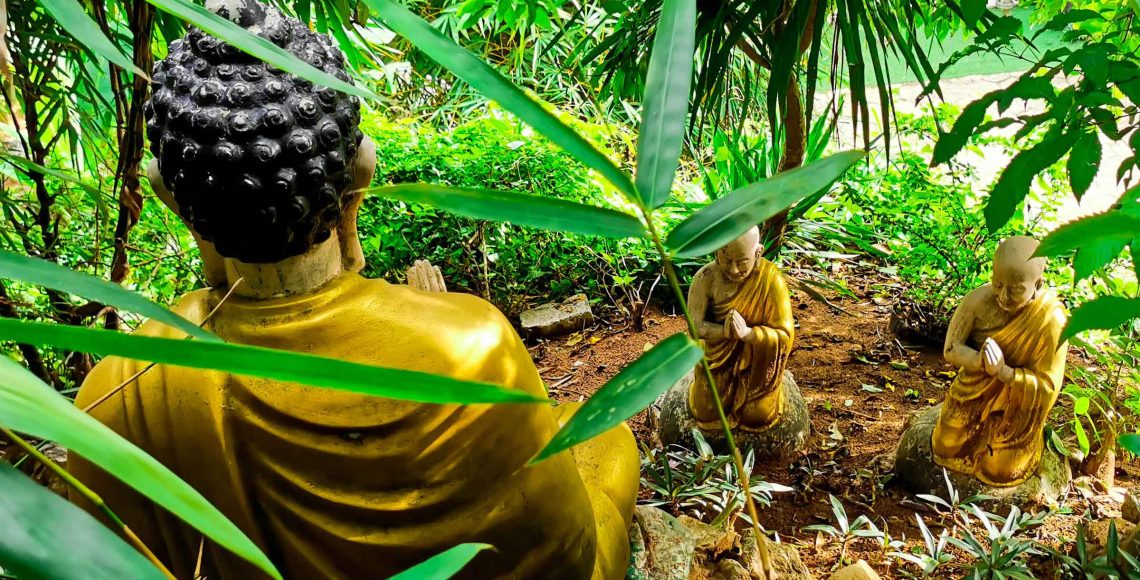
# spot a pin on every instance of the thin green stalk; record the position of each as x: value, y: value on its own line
x: 675, y: 284
x: 90, y: 495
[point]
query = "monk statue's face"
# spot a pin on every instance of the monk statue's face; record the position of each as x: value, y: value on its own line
x: 737, y: 260
x: 1018, y: 276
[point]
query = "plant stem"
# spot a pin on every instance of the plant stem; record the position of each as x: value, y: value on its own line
x: 675, y: 284
x: 90, y: 496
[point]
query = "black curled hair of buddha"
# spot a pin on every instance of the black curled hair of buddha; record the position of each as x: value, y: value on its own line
x: 259, y: 160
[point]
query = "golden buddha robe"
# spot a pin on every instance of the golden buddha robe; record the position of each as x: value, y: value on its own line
x: 994, y: 430
x: 749, y: 376
x: 333, y: 484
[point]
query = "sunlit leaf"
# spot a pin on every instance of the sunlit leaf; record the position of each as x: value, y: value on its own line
x: 37, y: 523
x: 1082, y: 438
x: 1114, y: 226
x: 29, y: 406
x: 1081, y: 406
x: 1013, y: 185
x: 633, y: 389
x: 255, y: 45
x: 43, y: 273
x: 263, y: 362
x: 1084, y: 161
x: 730, y: 216
x: 71, y: 16
x: 493, y: 85
x: 443, y: 565
x: 534, y: 211
x: 666, y: 101
x: 1106, y: 312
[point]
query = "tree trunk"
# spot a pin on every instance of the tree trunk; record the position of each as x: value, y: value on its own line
x: 795, y: 147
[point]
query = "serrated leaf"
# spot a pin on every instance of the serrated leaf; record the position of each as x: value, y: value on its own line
x: 443, y: 565
x: 37, y: 520
x: 1094, y: 255
x: 518, y: 208
x: 1106, y: 312
x: 256, y: 361
x: 1113, y: 226
x: 43, y: 273
x: 256, y: 46
x: 27, y: 405
x: 1084, y: 161
x: 633, y: 389
x: 666, y: 101
x: 1013, y: 185
x: 972, y: 11
x: 494, y: 86
x: 727, y: 218
x: 72, y: 18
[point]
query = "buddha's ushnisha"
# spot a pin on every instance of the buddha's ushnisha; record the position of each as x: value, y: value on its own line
x: 267, y: 171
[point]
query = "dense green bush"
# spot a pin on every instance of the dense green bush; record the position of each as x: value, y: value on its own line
x: 512, y: 267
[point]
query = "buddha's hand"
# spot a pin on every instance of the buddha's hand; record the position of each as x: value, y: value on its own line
x: 993, y: 359
x: 423, y: 276
x: 738, y: 328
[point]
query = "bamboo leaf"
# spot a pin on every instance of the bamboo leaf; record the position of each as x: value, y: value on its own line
x: 518, y: 208
x: 256, y: 46
x: 633, y: 389
x: 666, y: 101
x: 43, y: 273
x: 493, y: 85
x: 29, y: 406
x: 730, y: 216
x: 71, y: 16
x: 37, y: 520
x: 1106, y: 312
x: 443, y: 565
x: 264, y: 362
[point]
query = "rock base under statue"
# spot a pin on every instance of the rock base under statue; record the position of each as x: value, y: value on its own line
x: 781, y: 440
x: 916, y: 469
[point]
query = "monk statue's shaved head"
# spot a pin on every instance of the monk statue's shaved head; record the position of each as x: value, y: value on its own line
x: 1016, y: 253
x: 737, y: 259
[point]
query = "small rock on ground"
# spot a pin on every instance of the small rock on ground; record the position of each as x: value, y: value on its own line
x: 1129, y: 510
x: 558, y: 318
x: 860, y: 570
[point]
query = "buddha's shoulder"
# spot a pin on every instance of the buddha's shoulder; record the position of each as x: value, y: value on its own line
x: 444, y: 313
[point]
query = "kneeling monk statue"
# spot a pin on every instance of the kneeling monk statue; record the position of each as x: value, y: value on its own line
x: 743, y: 312
x: 266, y: 169
x: 1005, y: 336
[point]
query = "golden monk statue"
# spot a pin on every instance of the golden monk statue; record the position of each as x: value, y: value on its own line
x: 265, y: 169
x: 1005, y: 337
x: 744, y: 316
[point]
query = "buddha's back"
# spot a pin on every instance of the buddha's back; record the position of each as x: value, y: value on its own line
x: 339, y: 485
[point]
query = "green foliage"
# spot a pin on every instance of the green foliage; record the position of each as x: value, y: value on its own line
x: 32, y: 514
x: 509, y: 265
x: 29, y: 406
x: 443, y: 565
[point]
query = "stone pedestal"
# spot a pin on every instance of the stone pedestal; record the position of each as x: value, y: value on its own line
x: 781, y: 440
x: 915, y: 468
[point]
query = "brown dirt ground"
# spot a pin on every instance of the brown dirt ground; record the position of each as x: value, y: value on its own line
x: 854, y: 430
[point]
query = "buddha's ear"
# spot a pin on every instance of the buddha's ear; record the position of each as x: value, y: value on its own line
x: 213, y: 265
x: 363, y: 168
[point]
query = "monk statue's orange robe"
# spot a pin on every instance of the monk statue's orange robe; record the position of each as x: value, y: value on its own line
x: 994, y: 430
x: 749, y: 376
x: 333, y: 484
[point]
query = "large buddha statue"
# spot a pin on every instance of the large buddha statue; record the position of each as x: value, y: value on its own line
x: 265, y: 169
x: 1005, y: 339
x: 744, y: 319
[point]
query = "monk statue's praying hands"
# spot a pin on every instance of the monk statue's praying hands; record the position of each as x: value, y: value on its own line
x: 1005, y: 337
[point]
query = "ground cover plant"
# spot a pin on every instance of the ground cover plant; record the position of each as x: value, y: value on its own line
x: 520, y: 204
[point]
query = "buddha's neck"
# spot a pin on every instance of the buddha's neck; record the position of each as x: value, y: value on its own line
x: 295, y: 275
